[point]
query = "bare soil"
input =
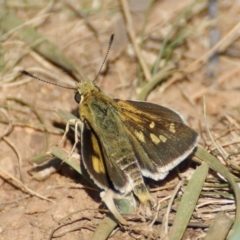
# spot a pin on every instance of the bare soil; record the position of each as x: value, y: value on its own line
x: 84, y: 41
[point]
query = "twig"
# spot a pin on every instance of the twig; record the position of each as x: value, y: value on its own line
x: 40, y: 119
x: 218, y: 47
x: 132, y: 37
x: 220, y: 150
x: 37, y: 127
x: 18, y: 156
x: 18, y: 184
x: 165, y: 222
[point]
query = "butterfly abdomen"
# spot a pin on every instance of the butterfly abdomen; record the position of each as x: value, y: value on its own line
x: 129, y: 165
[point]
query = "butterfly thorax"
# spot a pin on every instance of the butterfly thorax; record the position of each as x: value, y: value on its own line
x: 93, y: 102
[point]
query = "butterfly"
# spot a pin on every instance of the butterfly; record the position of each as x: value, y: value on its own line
x: 124, y: 141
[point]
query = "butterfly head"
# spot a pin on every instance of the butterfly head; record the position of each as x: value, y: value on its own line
x: 85, y: 90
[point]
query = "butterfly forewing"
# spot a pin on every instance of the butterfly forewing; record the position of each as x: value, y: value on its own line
x: 148, y: 110
x: 92, y: 158
x: 159, y: 137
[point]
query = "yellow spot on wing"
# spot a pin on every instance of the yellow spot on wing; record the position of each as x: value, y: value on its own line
x: 162, y: 138
x: 154, y: 138
x: 98, y: 165
x: 152, y: 125
x: 140, y: 136
x: 172, y: 128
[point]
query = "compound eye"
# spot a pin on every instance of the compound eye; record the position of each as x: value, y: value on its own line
x: 77, y: 97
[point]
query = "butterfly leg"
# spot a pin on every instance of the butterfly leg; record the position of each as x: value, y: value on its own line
x: 107, y: 198
x: 76, y: 123
x: 69, y: 123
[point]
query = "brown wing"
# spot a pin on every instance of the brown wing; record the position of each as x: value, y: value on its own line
x: 93, y: 159
x: 159, y: 136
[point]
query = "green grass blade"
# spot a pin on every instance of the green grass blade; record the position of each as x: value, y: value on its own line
x: 188, y: 202
x: 220, y: 168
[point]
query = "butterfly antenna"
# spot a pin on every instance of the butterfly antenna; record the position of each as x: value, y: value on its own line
x: 109, y: 47
x: 32, y: 76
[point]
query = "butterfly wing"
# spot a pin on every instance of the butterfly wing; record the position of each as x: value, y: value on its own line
x: 159, y: 136
x: 92, y: 158
x: 104, y: 172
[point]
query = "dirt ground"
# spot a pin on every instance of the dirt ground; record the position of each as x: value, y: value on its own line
x: 27, y: 105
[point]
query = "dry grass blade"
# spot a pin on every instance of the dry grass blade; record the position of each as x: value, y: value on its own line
x: 39, y: 117
x: 132, y: 36
x: 176, y: 26
x: 208, y: 131
x: 38, y: 127
x: 17, y: 153
x: 21, y: 186
x: 40, y: 44
x: 174, y: 194
x: 14, y: 181
x: 67, y: 221
x: 218, y: 47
